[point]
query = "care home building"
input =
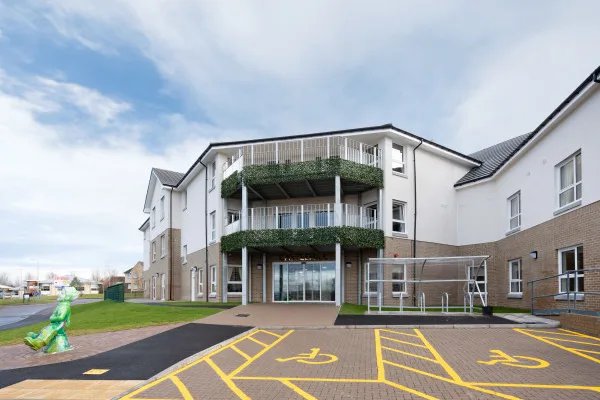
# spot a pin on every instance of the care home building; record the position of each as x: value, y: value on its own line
x: 295, y: 218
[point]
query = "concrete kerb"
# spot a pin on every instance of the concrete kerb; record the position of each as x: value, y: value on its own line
x: 186, y: 361
x: 438, y: 326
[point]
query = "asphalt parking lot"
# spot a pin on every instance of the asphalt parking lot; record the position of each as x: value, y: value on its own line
x: 391, y: 364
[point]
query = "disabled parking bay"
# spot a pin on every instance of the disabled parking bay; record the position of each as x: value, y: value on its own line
x: 436, y: 363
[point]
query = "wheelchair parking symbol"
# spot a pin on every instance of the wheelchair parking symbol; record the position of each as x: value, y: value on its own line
x: 500, y: 357
x: 314, y: 357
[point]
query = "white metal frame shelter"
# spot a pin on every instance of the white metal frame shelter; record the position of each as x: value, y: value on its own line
x: 470, y: 289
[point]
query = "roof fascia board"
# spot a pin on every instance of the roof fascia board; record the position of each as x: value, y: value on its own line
x: 151, y: 184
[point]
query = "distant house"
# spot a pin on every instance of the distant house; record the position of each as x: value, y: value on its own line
x: 134, y: 278
x: 52, y: 287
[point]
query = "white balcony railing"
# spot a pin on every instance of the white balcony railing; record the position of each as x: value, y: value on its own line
x: 306, y: 216
x: 299, y: 150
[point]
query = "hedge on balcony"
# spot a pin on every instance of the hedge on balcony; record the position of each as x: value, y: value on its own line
x: 346, y: 235
x: 317, y: 169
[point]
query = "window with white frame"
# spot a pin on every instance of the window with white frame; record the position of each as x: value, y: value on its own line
x: 213, y: 174
x: 234, y: 279
x: 370, y: 274
x: 479, y: 274
x: 200, y: 281
x: 162, y: 208
x: 153, y: 217
x: 514, y: 211
x: 213, y: 279
x: 570, y: 262
x: 213, y: 226
x: 163, y: 246
x: 397, y: 158
x: 569, y: 180
x: 153, y: 251
x: 184, y: 200
x: 398, y: 223
x: 515, y: 277
x: 399, y: 273
x: 184, y: 254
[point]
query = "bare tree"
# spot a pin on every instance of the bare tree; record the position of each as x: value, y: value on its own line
x: 4, y: 279
x: 51, y: 276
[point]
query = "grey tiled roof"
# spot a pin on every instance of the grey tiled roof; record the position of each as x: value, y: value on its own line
x: 493, y: 158
x: 168, y: 178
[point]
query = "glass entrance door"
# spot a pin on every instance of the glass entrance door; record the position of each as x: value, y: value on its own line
x: 311, y: 281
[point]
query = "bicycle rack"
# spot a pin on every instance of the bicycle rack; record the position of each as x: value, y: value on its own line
x: 422, y: 302
x: 401, y: 303
x: 445, y: 302
x: 470, y: 297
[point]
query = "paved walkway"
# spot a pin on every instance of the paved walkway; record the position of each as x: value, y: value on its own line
x: 390, y: 364
x: 268, y: 315
x: 66, y: 389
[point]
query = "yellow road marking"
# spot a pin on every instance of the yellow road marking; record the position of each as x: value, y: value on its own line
x: 226, y: 379
x: 536, y: 385
x: 182, y: 388
x: 580, y: 334
x: 584, y: 350
x: 299, y: 391
x: 548, y: 332
x: 270, y: 333
x: 570, y: 341
x: 293, y: 378
x: 410, y: 390
x: 500, y: 357
x: 257, y: 341
x: 459, y: 383
x: 240, y: 352
x: 96, y: 371
x: 449, y: 370
x: 186, y: 367
x: 403, y: 342
x: 379, y: 356
x: 259, y: 354
x: 409, y: 354
x: 569, y: 349
x: 399, y: 333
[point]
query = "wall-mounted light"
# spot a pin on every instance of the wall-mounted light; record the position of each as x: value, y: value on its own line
x: 259, y: 266
x: 534, y: 254
x: 348, y: 264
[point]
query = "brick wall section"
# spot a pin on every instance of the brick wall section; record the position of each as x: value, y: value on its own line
x: 581, y: 323
x: 197, y: 259
x: 161, y: 264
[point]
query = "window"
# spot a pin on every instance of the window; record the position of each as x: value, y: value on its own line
x: 302, y: 220
x: 323, y: 218
x: 213, y: 279
x: 184, y: 200
x: 569, y: 180
x: 153, y: 251
x: 233, y: 216
x: 162, y: 208
x: 201, y: 281
x: 399, y: 272
x: 213, y: 174
x: 397, y: 158
x: 570, y: 260
x: 234, y: 279
x: 153, y: 217
x: 398, y: 224
x: 213, y: 226
x: 515, y: 277
x: 184, y: 253
x: 514, y: 211
x: 163, y: 246
x: 372, y: 288
x: 480, y: 277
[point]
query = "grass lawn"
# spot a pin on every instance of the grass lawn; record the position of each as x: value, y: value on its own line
x: 355, y: 309
x: 108, y: 316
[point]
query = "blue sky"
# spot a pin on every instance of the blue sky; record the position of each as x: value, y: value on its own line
x: 94, y: 94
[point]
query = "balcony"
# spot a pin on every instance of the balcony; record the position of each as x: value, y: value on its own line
x: 311, y: 227
x: 302, y: 168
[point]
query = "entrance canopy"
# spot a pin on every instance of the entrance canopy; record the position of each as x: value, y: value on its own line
x: 427, y: 282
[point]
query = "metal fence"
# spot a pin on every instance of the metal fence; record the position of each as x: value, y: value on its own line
x: 565, y: 292
x: 115, y: 293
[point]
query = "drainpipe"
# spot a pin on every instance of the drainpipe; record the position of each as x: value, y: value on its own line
x: 206, y: 282
x: 171, y: 244
x: 414, y: 244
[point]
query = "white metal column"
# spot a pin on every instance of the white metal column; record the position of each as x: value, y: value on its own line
x: 224, y: 274
x: 338, y: 274
x: 244, y: 226
x: 193, y: 285
x: 264, y: 278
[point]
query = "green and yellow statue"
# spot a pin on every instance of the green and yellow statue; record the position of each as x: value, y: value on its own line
x: 54, y: 335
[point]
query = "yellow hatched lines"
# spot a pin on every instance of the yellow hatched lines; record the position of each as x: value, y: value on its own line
x: 552, y: 337
x: 226, y: 378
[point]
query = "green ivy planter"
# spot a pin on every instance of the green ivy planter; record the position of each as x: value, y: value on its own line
x: 347, y: 236
x: 295, y: 172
